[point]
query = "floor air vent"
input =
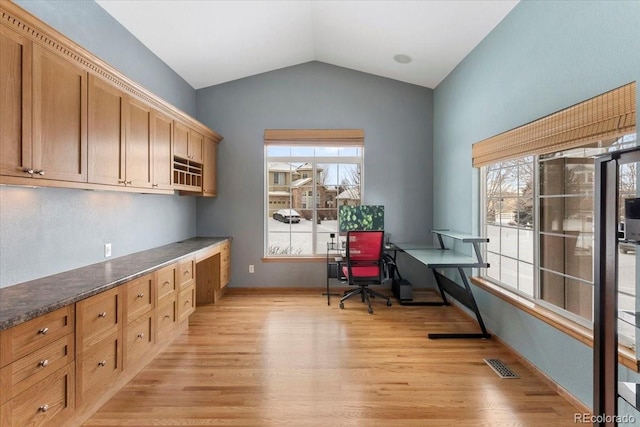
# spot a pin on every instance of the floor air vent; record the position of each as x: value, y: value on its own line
x: 500, y: 368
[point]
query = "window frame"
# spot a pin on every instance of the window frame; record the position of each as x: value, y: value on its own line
x: 313, y: 161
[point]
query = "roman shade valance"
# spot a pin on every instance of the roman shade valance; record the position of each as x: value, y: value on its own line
x: 606, y: 116
x: 316, y: 137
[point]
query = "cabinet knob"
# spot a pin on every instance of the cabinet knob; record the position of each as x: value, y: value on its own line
x: 43, y: 363
x: 39, y: 172
x: 154, y: 185
x: 141, y: 335
x: 140, y: 295
x: 43, y: 408
x: 103, y: 314
x: 43, y: 331
x: 128, y: 182
x: 27, y: 170
x: 102, y: 363
x: 122, y: 181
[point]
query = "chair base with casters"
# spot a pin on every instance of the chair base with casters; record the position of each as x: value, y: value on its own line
x: 366, y: 294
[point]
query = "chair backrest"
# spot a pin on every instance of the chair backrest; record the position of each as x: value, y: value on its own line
x: 364, y: 246
x: 364, y: 256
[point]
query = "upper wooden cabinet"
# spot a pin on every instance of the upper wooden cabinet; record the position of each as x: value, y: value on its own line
x: 70, y: 120
x: 187, y: 143
x: 119, y: 137
x: 162, y: 136
x: 106, y: 133
x: 59, y: 112
x: 43, y: 125
x: 209, y: 172
x: 15, y: 96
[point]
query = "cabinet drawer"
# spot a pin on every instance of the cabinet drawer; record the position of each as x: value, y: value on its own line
x: 186, y: 302
x: 23, y: 339
x: 138, y: 296
x: 48, y: 402
x: 186, y: 272
x: 139, y: 339
x: 97, y: 318
x: 166, y: 318
x: 165, y: 284
x: 25, y: 372
x: 98, y: 368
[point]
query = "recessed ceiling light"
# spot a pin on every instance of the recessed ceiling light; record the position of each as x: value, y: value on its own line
x: 401, y: 58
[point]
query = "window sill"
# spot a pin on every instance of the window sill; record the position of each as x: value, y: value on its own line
x: 626, y: 356
x: 290, y: 259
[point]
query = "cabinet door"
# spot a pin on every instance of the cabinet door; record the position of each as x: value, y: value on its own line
x: 180, y: 140
x: 195, y: 146
x: 15, y: 103
x: 162, y: 134
x: 59, y: 118
x: 138, y: 144
x: 209, y: 168
x: 106, y: 133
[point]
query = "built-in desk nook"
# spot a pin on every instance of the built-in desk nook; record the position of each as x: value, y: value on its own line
x: 70, y: 341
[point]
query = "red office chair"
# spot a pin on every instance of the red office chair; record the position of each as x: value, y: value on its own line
x: 364, y: 265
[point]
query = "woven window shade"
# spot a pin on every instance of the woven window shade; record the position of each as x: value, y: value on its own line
x: 606, y: 116
x: 341, y: 137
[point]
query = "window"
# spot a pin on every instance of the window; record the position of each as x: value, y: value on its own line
x: 317, y: 174
x: 538, y: 186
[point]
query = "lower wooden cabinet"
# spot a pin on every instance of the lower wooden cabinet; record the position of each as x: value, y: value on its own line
x: 48, y: 402
x: 139, y: 340
x: 98, y: 369
x: 186, y: 302
x: 166, y: 320
x: 59, y: 368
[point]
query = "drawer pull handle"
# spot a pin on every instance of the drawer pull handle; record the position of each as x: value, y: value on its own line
x: 102, y: 363
x: 187, y: 302
x: 43, y: 408
x: 166, y: 283
x: 186, y: 272
x: 103, y: 314
x: 140, y: 295
x: 141, y: 335
x: 43, y: 331
x: 43, y: 363
x: 166, y: 316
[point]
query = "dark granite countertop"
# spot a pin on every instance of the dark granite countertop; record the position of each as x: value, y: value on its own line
x: 25, y: 301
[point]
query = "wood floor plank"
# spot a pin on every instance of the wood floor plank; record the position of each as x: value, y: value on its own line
x: 288, y: 359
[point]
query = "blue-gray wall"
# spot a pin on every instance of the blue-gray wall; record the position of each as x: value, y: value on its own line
x: 45, y: 231
x: 397, y: 121
x: 543, y: 57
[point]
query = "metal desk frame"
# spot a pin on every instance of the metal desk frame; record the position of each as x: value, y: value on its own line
x: 444, y: 258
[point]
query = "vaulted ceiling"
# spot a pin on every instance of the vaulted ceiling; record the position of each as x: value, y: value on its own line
x: 209, y: 42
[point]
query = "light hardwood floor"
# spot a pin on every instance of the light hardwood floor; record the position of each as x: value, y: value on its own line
x: 287, y: 359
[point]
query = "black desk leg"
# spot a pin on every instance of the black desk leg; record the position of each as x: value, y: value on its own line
x: 465, y: 296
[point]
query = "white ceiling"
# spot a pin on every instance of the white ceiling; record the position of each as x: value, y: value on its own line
x: 209, y: 42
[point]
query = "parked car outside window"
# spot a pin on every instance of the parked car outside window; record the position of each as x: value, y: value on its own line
x: 287, y: 215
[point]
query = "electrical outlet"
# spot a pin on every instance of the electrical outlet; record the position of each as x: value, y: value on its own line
x: 107, y: 250
x: 251, y: 269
